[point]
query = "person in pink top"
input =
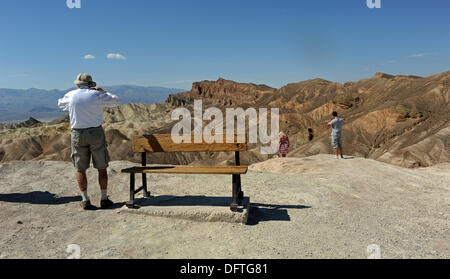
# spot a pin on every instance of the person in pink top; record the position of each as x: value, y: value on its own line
x: 283, y: 143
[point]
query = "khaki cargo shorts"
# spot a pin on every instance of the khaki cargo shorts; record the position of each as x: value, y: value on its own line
x: 86, y: 143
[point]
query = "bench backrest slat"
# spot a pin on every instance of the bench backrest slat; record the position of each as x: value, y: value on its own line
x: 164, y: 143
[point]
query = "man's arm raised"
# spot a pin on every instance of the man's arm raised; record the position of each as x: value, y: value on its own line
x: 329, y: 123
x: 63, y: 103
x: 108, y: 99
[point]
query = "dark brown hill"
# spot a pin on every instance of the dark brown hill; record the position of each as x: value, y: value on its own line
x: 221, y: 93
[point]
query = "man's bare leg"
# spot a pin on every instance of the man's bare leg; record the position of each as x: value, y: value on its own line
x: 82, y: 180
x: 103, y: 179
x: 83, y: 185
x: 340, y: 151
x: 103, y: 182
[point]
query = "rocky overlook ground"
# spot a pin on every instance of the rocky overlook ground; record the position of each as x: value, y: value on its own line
x: 315, y: 207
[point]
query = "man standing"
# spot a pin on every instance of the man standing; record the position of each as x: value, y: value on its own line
x: 336, y: 133
x: 85, y: 106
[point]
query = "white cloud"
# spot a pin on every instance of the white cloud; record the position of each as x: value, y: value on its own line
x: 89, y: 56
x: 116, y: 56
x: 418, y: 55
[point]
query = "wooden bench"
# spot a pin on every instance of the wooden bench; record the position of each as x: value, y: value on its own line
x: 164, y: 143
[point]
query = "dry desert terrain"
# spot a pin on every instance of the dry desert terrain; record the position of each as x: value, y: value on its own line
x: 313, y: 207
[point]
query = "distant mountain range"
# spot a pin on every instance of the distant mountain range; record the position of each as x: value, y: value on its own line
x: 21, y: 104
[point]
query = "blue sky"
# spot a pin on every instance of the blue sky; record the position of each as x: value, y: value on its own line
x: 174, y: 43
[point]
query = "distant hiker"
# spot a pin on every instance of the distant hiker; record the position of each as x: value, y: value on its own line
x: 283, y: 142
x: 336, y: 133
x: 85, y: 106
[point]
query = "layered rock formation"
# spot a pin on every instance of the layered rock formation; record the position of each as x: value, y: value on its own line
x: 221, y: 93
x: 403, y: 120
x: 396, y: 119
x: 31, y: 122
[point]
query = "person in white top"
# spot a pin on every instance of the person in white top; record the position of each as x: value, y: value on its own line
x: 85, y: 106
x: 336, y: 133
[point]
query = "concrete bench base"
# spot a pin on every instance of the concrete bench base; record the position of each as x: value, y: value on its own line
x: 195, y: 208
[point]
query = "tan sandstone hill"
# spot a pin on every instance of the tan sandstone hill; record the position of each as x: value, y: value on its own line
x: 403, y: 120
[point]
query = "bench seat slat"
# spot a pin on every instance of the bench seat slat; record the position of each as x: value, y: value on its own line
x: 189, y: 169
x: 164, y: 143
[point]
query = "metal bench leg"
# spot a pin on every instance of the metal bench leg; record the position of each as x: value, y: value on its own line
x: 144, y: 175
x: 144, y: 185
x: 234, y: 199
x: 130, y: 203
x: 240, y: 193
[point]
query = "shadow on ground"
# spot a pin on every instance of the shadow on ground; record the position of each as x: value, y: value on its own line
x: 348, y: 157
x: 259, y: 212
x: 168, y: 200
x: 40, y: 197
x: 37, y: 197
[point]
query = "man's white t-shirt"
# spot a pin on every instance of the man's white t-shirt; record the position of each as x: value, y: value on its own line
x: 336, y: 126
x: 85, y: 106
